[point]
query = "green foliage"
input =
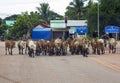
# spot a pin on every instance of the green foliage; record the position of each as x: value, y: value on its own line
x: 44, y: 11
x: 3, y: 28
x: 0, y: 21
x: 24, y: 24
x: 109, y: 14
x: 92, y: 19
x: 46, y: 14
x: 12, y: 17
x: 75, y: 10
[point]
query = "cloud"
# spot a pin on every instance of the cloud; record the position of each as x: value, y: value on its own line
x: 8, y: 7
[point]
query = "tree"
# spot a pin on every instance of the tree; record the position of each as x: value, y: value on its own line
x: 110, y: 11
x: 0, y: 21
x: 12, y: 17
x: 54, y: 16
x: 24, y: 24
x: 75, y: 10
x: 44, y: 11
x: 108, y: 15
x: 3, y: 28
x: 46, y: 14
x: 91, y: 16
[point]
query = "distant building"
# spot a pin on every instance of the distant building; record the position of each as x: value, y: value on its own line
x: 41, y: 31
x: 63, y: 29
x: 10, y: 22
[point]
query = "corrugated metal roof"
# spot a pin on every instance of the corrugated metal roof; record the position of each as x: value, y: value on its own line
x: 77, y: 23
x: 71, y: 22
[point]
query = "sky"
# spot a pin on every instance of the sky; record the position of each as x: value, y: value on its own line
x: 10, y: 7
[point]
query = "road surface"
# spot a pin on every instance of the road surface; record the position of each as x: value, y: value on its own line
x: 59, y: 69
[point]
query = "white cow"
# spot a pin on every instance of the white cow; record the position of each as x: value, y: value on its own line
x: 112, y: 45
x: 31, y: 48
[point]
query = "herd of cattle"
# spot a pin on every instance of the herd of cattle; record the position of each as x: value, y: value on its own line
x: 61, y: 47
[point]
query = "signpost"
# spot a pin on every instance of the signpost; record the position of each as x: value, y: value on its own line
x: 82, y: 30
x: 112, y: 29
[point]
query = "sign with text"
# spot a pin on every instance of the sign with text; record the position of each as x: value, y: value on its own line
x: 81, y: 29
x: 111, y: 29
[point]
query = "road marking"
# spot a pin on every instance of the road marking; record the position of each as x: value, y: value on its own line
x: 3, y: 77
x: 109, y: 65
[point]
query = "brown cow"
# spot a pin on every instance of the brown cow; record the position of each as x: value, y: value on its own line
x: 100, y: 46
x: 58, y: 46
x: 64, y: 47
x: 85, y: 47
x: 39, y: 45
x: 9, y: 45
x: 94, y: 45
x: 51, y: 48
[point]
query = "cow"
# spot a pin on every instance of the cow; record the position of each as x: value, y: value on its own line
x: 9, y: 45
x: 51, y: 48
x: 112, y: 45
x: 58, y: 46
x: 39, y: 45
x: 100, y: 46
x: 85, y: 47
x: 31, y: 48
x: 64, y: 47
x: 21, y: 46
x: 94, y: 45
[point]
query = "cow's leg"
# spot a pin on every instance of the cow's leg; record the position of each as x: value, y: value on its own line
x: 33, y: 54
x: 94, y: 50
x: 11, y: 51
x: 109, y: 48
x: 26, y: 49
x: 114, y: 49
x: 84, y: 52
x: 103, y: 50
x: 98, y: 51
x: 22, y: 51
x: 19, y: 49
x: 6, y: 51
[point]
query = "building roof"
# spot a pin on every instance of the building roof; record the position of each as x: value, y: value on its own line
x: 42, y: 25
x: 70, y: 23
x: 77, y: 23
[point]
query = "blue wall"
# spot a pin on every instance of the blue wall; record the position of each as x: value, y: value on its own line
x: 41, y: 33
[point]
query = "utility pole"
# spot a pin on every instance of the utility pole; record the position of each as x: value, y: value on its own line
x: 98, y: 25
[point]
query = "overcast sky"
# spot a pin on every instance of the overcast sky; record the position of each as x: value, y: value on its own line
x: 9, y: 7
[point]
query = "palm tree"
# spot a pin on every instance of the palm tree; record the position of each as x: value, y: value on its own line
x: 77, y: 9
x: 44, y: 11
x: 46, y: 14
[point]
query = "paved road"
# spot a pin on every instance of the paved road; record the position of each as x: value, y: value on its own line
x: 59, y: 69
